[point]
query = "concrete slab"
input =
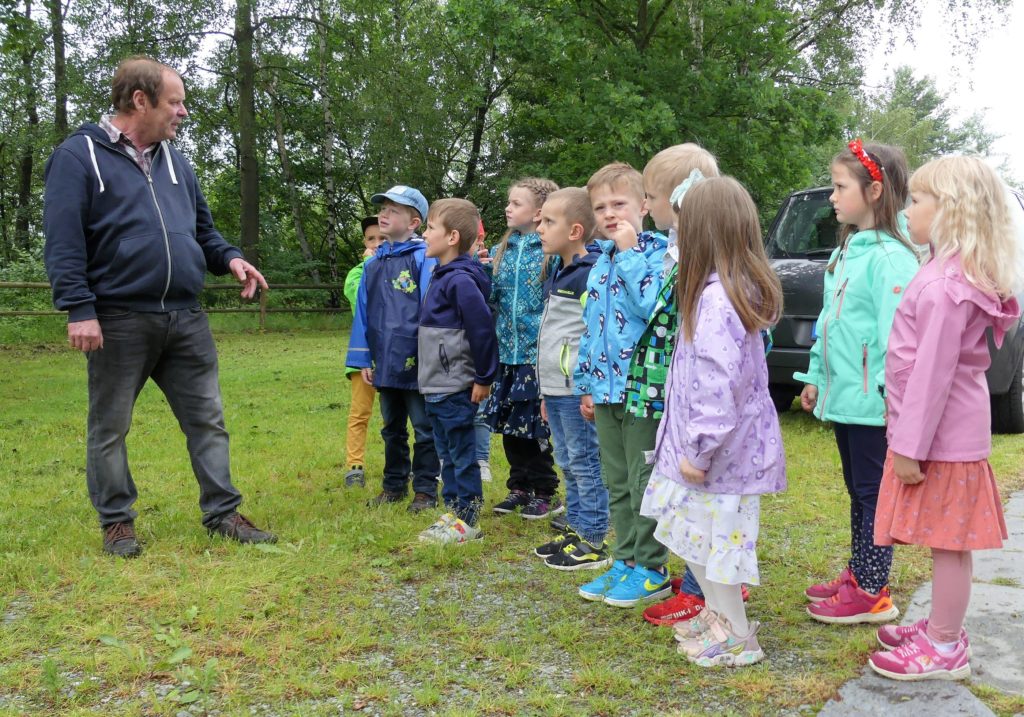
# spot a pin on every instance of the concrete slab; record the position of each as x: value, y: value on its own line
x: 995, y: 623
x: 871, y: 695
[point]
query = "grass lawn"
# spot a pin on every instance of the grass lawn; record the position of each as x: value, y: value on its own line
x: 349, y: 613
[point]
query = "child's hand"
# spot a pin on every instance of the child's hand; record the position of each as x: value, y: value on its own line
x: 367, y: 375
x: 624, y: 236
x: 809, y: 397
x: 367, y: 253
x: 691, y: 474
x: 482, y: 255
x: 587, y: 408
x: 480, y: 393
x: 907, y: 469
x: 543, y: 411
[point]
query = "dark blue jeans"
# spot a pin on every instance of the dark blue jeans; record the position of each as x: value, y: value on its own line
x: 398, y: 406
x: 579, y: 457
x: 862, y: 452
x: 455, y: 436
x: 176, y: 350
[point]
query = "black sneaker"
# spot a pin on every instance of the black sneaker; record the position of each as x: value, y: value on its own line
x: 421, y: 502
x: 384, y: 498
x: 578, y: 554
x: 236, y: 526
x: 541, y: 506
x: 549, y: 549
x: 515, y: 499
x: 119, y: 539
x: 560, y: 523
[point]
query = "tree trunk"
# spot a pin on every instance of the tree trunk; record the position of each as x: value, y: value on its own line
x: 248, y: 166
x: 26, y: 164
x: 330, y: 191
x: 60, y: 82
x: 293, y: 194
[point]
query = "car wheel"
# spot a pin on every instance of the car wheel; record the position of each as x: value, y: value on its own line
x: 782, y: 397
x: 1008, y: 408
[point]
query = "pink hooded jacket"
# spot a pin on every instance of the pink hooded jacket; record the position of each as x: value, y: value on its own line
x: 936, y: 393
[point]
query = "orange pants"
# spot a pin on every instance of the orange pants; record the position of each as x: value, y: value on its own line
x: 359, y: 412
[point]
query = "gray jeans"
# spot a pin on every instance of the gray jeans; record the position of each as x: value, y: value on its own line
x: 176, y: 350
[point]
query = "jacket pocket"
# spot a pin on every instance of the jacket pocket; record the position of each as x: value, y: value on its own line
x: 138, y: 269
x: 399, y: 357
x: 188, y: 265
x: 864, y: 364
x: 565, y: 361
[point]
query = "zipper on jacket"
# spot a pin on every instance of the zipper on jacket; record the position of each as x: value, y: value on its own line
x: 167, y: 240
x: 842, y: 295
x: 442, y: 356
x: 563, y: 361
x: 865, y: 363
x: 824, y: 337
x: 608, y: 319
x: 515, y: 298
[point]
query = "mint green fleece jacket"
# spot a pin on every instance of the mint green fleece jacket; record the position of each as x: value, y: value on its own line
x: 848, y: 359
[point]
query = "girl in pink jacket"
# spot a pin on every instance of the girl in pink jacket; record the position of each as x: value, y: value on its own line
x: 937, y: 486
x: 719, y: 448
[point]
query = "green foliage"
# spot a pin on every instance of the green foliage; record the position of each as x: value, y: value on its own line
x: 460, y: 97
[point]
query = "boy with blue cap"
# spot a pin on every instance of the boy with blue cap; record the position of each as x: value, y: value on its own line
x: 384, y: 345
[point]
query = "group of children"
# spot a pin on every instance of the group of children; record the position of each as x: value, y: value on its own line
x: 635, y: 359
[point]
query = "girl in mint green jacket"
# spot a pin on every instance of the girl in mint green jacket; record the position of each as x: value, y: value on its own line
x: 864, y: 283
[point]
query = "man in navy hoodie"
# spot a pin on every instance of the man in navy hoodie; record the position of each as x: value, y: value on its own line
x: 458, y: 361
x: 129, y: 238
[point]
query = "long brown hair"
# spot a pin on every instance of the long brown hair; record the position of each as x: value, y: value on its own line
x: 540, y: 189
x: 719, y: 232
x: 894, y: 190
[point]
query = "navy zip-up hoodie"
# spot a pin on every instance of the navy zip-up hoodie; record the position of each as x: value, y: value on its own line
x: 117, y: 239
x: 458, y: 345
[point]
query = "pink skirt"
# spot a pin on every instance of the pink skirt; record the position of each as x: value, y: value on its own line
x: 955, y: 507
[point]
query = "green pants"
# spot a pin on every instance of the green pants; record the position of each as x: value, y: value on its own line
x: 624, y: 440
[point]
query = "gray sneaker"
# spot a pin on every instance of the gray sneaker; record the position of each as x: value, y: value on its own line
x: 355, y: 476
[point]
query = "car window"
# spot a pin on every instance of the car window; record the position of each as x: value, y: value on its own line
x: 808, y: 226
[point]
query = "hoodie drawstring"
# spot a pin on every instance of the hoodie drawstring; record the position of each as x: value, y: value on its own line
x: 95, y: 164
x: 170, y: 164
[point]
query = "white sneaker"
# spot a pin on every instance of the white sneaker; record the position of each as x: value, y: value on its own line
x: 485, y: 471
x: 450, y: 530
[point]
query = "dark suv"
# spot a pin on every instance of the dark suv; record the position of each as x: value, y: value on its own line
x: 799, y: 243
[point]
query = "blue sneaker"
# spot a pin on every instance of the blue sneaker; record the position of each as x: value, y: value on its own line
x: 596, y: 589
x: 641, y: 584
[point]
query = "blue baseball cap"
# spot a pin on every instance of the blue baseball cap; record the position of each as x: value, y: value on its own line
x: 409, y: 196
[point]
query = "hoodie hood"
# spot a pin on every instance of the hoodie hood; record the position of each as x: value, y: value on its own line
x: 466, y: 264
x: 1004, y: 313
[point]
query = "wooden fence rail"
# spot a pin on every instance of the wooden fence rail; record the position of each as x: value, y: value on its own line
x: 262, y: 309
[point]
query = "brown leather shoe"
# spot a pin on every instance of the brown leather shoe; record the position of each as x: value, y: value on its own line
x: 421, y: 502
x: 236, y: 526
x: 119, y: 539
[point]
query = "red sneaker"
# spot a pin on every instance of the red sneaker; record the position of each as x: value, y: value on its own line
x: 852, y: 605
x: 823, y: 591
x: 678, y: 608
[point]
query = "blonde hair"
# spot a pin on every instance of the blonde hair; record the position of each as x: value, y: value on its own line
x: 576, y: 209
x: 459, y: 215
x: 719, y: 232
x: 669, y: 167
x: 973, y: 220
x: 893, y: 199
x: 618, y: 174
x: 540, y: 189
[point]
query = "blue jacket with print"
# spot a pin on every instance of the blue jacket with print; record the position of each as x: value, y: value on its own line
x: 386, y: 325
x: 621, y: 292
x: 517, y: 295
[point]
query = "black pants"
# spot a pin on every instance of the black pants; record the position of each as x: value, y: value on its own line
x: 531, y: 465
x: 398, y: 407
x: 862, y: 452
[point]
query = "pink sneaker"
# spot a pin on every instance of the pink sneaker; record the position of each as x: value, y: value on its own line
x: 720, y: 646
x: 919, y: 660
x: 852, y: 605
x: 892, y: 636
x: 823, y: 591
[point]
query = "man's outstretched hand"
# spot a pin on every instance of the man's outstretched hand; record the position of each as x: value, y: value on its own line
x: 248, y: 276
